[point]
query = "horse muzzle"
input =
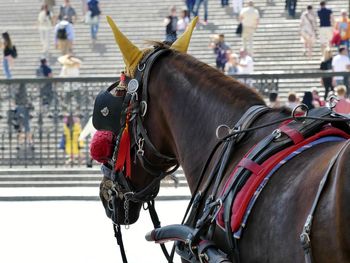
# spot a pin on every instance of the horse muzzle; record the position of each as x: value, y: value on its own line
x: 118, y: 207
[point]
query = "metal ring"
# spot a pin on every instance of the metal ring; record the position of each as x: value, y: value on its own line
x: 143, y: 108
x: 302, y: 106
x: 142, y: 67
x: 218, y: 130
x: 332, y: 100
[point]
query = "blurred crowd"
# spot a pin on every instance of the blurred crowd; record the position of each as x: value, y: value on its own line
x: 57, y: 23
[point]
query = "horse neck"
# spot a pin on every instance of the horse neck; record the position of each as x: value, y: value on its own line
x: 192, y: 104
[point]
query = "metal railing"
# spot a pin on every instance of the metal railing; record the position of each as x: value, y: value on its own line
x: 49, y: 102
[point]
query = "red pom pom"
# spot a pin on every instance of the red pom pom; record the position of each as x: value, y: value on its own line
x: 102, y: 146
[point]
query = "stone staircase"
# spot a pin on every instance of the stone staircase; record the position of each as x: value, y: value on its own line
x: 278, y: 49
x: 277, y: 43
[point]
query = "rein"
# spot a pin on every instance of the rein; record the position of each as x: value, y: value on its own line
x: 227, y: 143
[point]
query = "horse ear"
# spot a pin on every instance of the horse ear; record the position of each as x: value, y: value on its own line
x: 131, y: 54
x: 182, y: 43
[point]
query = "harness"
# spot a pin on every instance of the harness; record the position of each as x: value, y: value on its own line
x: 193, y: 240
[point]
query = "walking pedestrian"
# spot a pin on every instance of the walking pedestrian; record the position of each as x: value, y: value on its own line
x: 308, y: 30
x: 64, y: 36
x: 220, y: 48
x: 326, y: 65
x: 171, y: 25
x: 45, y: 21
x: 197, y: 6
x: 9, y: 52
x: 93, y: 17
x: 190, y: 6
x: 291, y: 6
x: 343, y: 26
x: 326, y: 22
x: 46, y: 92
x: 67, y: 12
x: 249, y: 17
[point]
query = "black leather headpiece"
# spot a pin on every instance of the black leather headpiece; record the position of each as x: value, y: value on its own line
x: 107, y: 110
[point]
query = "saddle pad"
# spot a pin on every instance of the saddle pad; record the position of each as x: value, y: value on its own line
x: 248, y: 194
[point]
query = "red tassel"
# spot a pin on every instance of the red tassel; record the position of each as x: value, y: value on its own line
x: 124, y: 153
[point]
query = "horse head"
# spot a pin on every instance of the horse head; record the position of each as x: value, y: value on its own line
x: 143, y: 158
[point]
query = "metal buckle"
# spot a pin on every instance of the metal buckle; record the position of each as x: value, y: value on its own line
x: 219, y: 205
x: 304, y: 108
x: 140, y: 149
x: 277, y: 133
x: 333, y: 101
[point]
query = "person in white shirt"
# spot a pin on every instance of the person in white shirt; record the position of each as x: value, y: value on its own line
x: 245, y: 65
x: 249, y: 17
x: 341, y: 63
x: 183, y: 22
x: 45, y: 21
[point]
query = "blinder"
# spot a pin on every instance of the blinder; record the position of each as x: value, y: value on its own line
x: 107, y: 110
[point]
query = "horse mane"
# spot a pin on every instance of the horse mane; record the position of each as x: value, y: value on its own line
x: 226, y: 88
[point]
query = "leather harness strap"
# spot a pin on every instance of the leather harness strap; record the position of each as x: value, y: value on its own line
x: 250, y: 165
x: 294, y: 134
x: 211, y: 205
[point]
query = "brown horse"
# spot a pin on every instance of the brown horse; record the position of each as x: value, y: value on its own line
x: 187, y: 101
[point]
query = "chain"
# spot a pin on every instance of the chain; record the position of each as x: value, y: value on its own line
x: 126, y: 208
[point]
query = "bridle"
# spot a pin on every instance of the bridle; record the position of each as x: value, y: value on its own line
x: 133, y: 112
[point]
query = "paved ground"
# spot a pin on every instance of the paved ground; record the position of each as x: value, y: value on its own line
x: 76, y: 232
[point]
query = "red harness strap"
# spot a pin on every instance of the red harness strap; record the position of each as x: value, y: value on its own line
x: 259, y: 173
x: 251, y: 166
x: 295, y: 135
